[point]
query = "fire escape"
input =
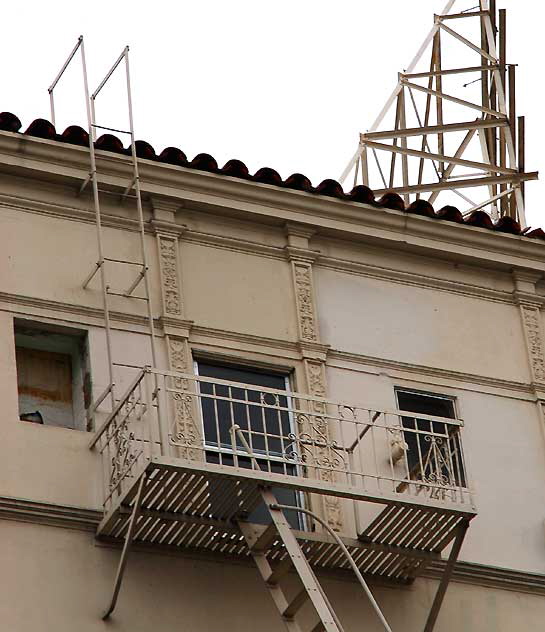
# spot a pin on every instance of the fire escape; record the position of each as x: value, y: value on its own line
x: 201, y: 464
x: 166, y: 483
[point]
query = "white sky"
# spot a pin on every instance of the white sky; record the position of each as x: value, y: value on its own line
x: 284, y: 84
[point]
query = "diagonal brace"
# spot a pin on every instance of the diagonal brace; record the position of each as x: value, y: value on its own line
x: 447, y: 574
x: 126, y: 546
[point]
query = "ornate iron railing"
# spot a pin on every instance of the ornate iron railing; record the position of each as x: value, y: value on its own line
x: 380, y: 452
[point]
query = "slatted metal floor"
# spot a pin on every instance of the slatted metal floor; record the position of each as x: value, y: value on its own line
x: 197, y: 510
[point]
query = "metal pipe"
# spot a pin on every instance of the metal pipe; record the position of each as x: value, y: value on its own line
x: 110, y: 73
x: 346, y: 553
x: 126, y: 547
x: 139, y: 206
x: 100, y: 264
x: 60, y: 74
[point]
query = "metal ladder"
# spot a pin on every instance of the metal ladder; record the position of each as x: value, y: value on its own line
x: 311, y: 590
x: 132, y: 190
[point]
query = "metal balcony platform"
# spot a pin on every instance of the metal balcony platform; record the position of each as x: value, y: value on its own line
x: 196, y: 507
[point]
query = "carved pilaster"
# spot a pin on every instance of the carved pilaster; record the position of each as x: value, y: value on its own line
x: 304, y: 295
x: 184, y: 431
x: 531, y: 318
x: 170, y: 281
x: 529, y: 304
x: 301, y: 258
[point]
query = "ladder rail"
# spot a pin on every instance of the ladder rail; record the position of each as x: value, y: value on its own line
x: 346, y: 553
x: 298, y: 558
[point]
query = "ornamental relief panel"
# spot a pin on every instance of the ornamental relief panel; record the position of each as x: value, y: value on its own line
x: 168, y: 254
x: 184, y: 432
x: 302, y: 273
x: 325, y: 452
x: 531, y: 318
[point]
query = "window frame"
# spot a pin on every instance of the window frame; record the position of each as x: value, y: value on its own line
x: 301, y: 519
x: 460, y: 471
x: 74, y: 343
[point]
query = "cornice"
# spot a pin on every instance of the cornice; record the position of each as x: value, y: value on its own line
x: 489, y: 576
x: 62, y: 162
x: 56, y: 307
x: 207, y: 335
x: 279, y: 253
x: 416, y: 280
x: 234, y: 244
x: 240, y: 337
x: 429, y: 371
x: 80, y: 518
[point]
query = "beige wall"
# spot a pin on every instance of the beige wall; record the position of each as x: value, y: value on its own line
x: 389, y: 318
x: 60, y: 580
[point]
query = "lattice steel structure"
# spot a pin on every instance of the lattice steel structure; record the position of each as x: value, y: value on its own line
x: 443, y: 149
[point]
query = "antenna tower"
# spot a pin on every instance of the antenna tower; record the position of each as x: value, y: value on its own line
x: 454, y: 128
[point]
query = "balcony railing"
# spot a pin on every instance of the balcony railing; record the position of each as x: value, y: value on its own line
x: 378, y: 453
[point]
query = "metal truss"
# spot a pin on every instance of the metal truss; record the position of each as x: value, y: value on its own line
x: 482, y: 133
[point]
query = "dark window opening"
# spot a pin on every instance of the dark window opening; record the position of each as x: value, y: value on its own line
x: 433, y: 447
x: 53, y: 378
x: 265, y: 429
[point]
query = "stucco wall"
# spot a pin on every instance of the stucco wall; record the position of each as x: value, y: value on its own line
x: 60, y: 580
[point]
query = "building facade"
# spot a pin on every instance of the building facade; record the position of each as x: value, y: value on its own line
x: 307, y: 319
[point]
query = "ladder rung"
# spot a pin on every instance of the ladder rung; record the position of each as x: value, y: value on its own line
x: 110, y: 129
x: 134, y: 263
x: 265, y: 539
x: 130, y: 195
x: 141, y: 298
x: 279, y: 571
x: 319, y: 627
x: 297, y: 602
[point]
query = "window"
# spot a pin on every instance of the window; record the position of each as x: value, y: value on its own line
x: 264, y: 422
x: 53, y: 380
x: 433, y: 449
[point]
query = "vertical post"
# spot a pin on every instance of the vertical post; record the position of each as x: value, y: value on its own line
x: 98, y: 224
x: 404, y: 158
x: 140, y: 210
x: 438, y: 100
x: 502, y: 58
x: 521, y: 149
x: 52, y: 106
x: 447, y: 574
x: 512, y: 126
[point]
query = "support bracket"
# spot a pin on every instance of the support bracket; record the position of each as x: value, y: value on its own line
x: 126, y: 547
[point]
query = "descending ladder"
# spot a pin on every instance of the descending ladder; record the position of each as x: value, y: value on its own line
x: 105, y: 265
x: 311, y: 589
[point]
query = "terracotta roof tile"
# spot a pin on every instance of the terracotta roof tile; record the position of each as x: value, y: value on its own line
x: 76, y: 135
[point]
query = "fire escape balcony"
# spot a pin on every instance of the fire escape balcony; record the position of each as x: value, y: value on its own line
x: 207, y: 449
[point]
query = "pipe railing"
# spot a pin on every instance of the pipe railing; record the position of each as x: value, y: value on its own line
x: 389, y: 452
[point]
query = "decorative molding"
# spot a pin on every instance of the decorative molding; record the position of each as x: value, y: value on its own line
x: 531, y: 317
x: 423, y: 371
x: 87, y: 520
x: 304, y: 295
x: 392, y: 275
x: 258, y: 249
x: 184, y: 433
x: 78, y: 314
x: 170, y: 278
x: 68, y: 164
x: 489, y: 577
x: 51, y: 514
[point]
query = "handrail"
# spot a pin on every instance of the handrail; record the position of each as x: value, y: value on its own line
x: 295, y: 395
x: 116, y: 410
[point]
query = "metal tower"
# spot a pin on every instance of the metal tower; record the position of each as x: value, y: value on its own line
x: 454, y: 126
